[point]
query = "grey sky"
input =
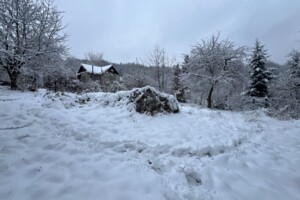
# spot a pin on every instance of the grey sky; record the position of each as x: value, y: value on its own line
x: 128, y: 29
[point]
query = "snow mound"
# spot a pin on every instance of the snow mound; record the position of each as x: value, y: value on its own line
x: 145, y: 100
x: 150, y: 101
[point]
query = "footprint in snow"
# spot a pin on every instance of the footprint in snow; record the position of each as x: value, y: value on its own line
x: 193, y: 178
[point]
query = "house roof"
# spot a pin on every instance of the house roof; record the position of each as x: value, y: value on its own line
x: 95, y: 69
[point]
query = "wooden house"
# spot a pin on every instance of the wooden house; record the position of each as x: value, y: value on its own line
x: 105, y: 74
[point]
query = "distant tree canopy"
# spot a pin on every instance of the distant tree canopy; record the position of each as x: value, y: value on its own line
x: 213, y: 73
x: 94, y: 58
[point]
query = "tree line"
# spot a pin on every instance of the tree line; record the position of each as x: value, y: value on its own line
x: 215, y: 73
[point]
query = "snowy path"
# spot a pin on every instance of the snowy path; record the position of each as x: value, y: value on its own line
x: 93, y: 151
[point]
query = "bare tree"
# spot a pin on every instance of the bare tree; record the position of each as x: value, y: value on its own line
x: 285, y: 89
x: 213, y: 63
x: 160, y: 61
x: 30, y: 30
x: 95, y: 58
x: 156, y: 60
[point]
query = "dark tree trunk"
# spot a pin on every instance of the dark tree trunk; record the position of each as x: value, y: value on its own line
x: 158, y: 78
x: 13, y: 80
x: 163, y: 78
x: 209, y: 98
x: 13, y: 70
x: 55, y: 86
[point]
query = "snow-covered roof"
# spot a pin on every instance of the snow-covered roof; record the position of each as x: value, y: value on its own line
x: 95, y: 69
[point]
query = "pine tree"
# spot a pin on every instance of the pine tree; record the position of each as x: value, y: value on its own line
x: 259, y: 74
x: 178, y: 89
x: 294, y: 64
x: 294, y: 75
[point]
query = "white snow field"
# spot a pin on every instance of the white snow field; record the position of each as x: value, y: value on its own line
x: 54, y: 147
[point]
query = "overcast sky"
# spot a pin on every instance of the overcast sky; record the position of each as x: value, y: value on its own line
x: 128, y: 29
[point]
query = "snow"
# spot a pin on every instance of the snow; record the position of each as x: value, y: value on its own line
x: 122, y: 98
x: 257, y: 69
x: 68, y: 146
x: 96, y: 69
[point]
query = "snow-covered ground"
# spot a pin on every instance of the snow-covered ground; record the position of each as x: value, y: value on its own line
x: 53, y: 147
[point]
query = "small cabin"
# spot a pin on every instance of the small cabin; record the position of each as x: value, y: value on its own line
x: 105, y: 74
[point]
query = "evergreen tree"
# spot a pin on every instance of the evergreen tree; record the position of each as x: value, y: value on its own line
x: 294, y: 75
x: 294, y: 64
x: 178, y: 89
x: 259, y: 74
